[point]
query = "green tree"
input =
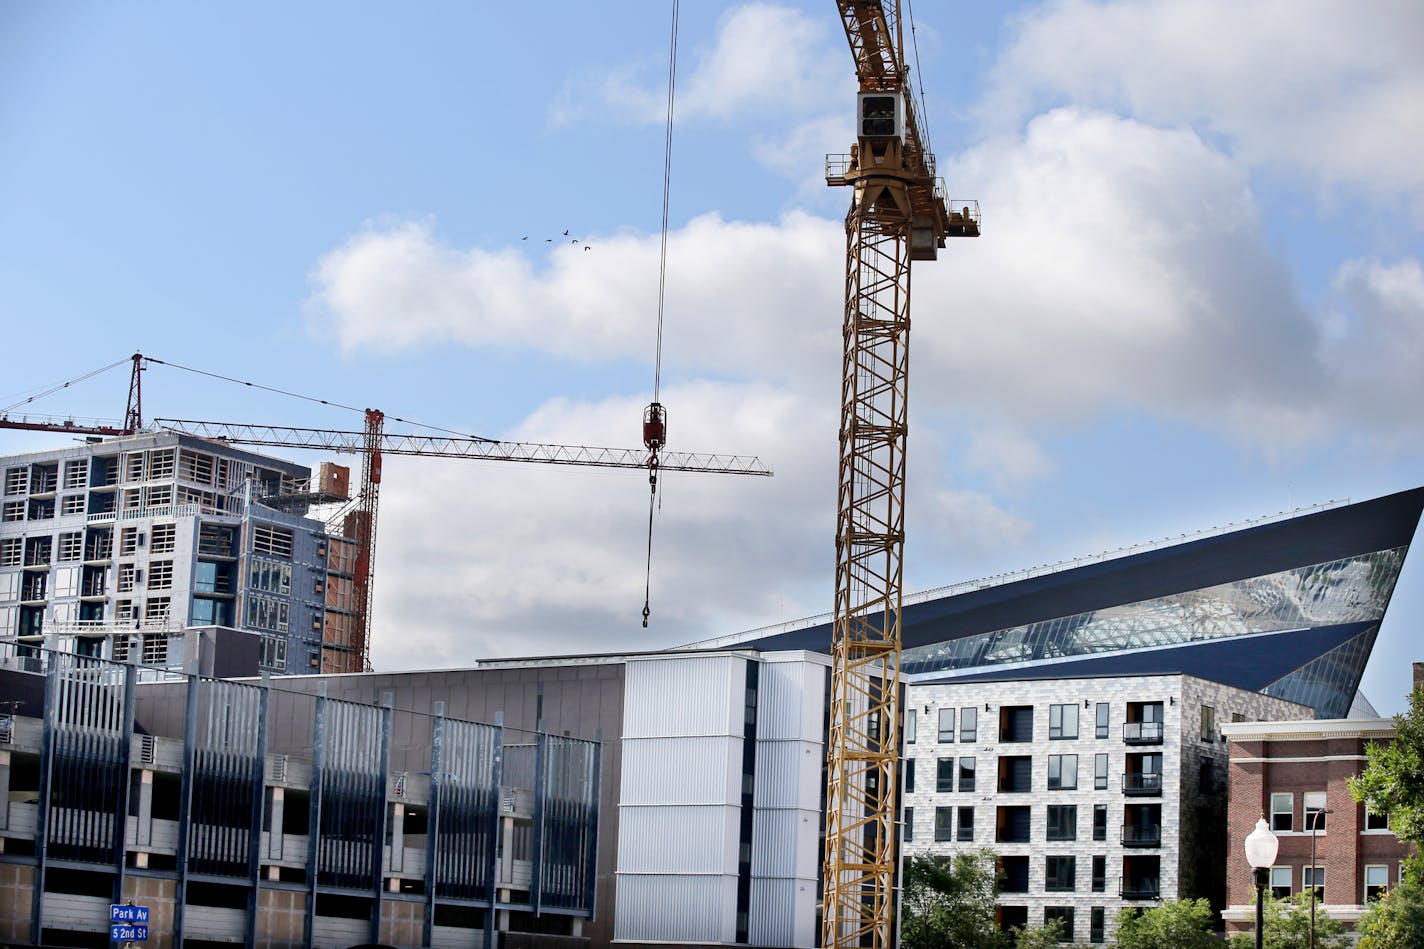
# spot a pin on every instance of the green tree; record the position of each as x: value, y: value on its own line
x: 1047, y: 936
x: 1288, y: 926
x: 949, y: 903
x: 1393, y: 780
x: 1395, y: 920
x: 1180, y: 924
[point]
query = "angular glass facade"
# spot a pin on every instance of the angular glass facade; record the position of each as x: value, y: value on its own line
x: 1350, y: 590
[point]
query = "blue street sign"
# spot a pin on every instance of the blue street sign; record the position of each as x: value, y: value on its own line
x: 128, y: 932
x: 127, y: 913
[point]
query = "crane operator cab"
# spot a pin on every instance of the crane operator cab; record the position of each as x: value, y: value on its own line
x: 881, y: 115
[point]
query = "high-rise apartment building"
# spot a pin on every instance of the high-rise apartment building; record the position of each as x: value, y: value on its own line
x: 124, y: 543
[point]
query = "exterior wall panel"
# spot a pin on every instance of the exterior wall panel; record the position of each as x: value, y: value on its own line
x: 672, y: 840
x: 698, y: 770
x: 685, y: 696
x: 676, y: 908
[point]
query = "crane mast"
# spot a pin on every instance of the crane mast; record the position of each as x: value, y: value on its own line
x: 897, y: 214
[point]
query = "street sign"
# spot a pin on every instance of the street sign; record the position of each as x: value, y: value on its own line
x: 127, y: 913
x: 128, y: 932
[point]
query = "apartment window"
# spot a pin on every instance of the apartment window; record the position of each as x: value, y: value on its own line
x: 274, y: 654
x: 1100, y: 873
x: 1063, y: 721
x: 909, y: 775
x: 944, y: 775
x: 121, y: 649
x: 1281, y: 882
x: 270, y: 576
x: 909, y: 831
x: 1096, y: 917
x: 1015, y: 825
x: 1062, y: 822
x: 1102, y: 720
x: 1282, y: 811
x: 128, y: 541
x: 1314, y: 811
x: 969, y: 724
x: 127, y: 572
x: 76, y: 474
x: 160, y: 464
x: 1313, y: 878
x: 1208, y: 723
x: 156, y: 609
x: 71, y: 504
x: 17, y: 480
x: 1100, y: 822
x: 912, y: 719
x: 275, y: 541
x: 966, y: 824
x: 125, y: 612
x: 1100, y: 772
x: 165, y: 538
x: 71, y: 546
x: 1064, y: 915
x: 946, y: 724
x: 1376, y: 820
x: 1059, y: 874
x: 11, y: 551
x: 967, y: 767
x: 1376, y: 880
x: 13, y: 511
x: 160, y: 575
x: 155, y: 650
x: 944, y: 823
x: 1062, y: 772
x: 263, y: 613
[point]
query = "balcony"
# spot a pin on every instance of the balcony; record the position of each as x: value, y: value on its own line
x: 1142, y: 733
x: 1141, y: 889
x: 1141, y: 784
x: 1141, y: 836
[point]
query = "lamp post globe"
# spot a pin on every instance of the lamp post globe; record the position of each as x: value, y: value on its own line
x: 1261, y: 849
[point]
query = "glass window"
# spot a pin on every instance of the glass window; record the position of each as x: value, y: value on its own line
x: 1100, y: 772
x: 969, y: 724
x: 946, y: 724
x: 911, y: 721
x: 1100, y: 874
x: 1100, y: 822
x: 1063, y: 721
x: 1062, y: 822
x: 944, y: 823
x: 1062, y: 772
x: 1102, y: 721
x: 1208, y: 723
x: 944, y: 775
x: 1376, y: 880
x: 1280, y: 882
x: 1376, y: 820
x: 967, y: 767
x: 1063, y: 914
x: 909, y: 775
x: 909, y: 832
x: 1282, y: 811
x: 1313, y: 878
x: 1314, y: 811
x: 966, y: 824
x: 1059, y: 873
x: 1096, y: 918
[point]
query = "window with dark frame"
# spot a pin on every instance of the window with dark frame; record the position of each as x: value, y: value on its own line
x: 1059, y: 873
x: 944, y: 823
x: 1062, y: 721
x: 1063, y: 914
x: 969, y: 724
x: 1062, y: 772
x: 944, y: 776
x: 1096, y: 918
x: 966, y: 824
x: 1062, y: 822
x: 946, y: 725
x: 1100, y: 873
x: 1100, y: 822
x: 909, y: 831
x: 967, y: 767
x: 1102, y: 720
x: 1100, y: 772
x: 909, y: 775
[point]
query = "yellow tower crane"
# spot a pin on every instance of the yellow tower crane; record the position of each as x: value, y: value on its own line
x: 898, y: 214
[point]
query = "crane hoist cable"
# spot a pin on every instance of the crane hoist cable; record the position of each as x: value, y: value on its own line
x: 655, y: 416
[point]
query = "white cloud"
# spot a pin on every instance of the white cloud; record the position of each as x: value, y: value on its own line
x: 765, y: 60
x: 1009, y: 457
x: 1330, y: 89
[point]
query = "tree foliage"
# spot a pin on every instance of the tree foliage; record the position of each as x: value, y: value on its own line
x: 949, y: 903
x: 1393, y: 780
x: 1395, y: 920
x: 1179, y: 924
x: 1288, y: 926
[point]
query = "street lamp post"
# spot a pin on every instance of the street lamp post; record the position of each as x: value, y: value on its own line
x: 1315, y: 819
x: 1261, y: 847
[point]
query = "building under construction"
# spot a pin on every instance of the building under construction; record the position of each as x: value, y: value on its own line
x: 131, y: 543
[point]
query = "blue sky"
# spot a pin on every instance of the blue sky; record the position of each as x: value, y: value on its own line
x: 1198, y: 297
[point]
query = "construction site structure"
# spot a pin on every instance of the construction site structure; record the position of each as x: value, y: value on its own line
x: 347, y: 528
x: 898, y: 214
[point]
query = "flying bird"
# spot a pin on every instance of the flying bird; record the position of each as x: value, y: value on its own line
x: 587, y: 247
x: 525, y: 237
x: 566, y: 233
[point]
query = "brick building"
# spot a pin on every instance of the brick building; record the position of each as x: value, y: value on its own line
x: 1295, y: 774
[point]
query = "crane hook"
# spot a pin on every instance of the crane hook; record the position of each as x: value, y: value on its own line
x: 654, y: 437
